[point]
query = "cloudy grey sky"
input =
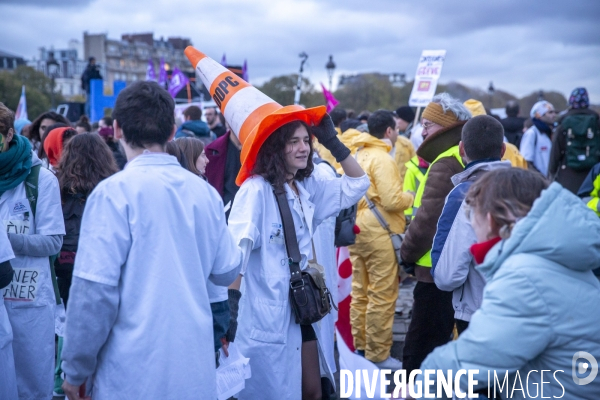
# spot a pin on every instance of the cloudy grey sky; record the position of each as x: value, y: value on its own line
x: 520, y: 45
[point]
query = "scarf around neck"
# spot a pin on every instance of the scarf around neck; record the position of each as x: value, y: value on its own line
x: 15, y: 163
x: 480, y: 250
x: 542, y: 126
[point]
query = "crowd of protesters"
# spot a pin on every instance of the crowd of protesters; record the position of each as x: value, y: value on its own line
x: 161, y: 254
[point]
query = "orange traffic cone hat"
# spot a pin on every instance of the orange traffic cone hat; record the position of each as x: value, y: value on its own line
x: 252, y: 115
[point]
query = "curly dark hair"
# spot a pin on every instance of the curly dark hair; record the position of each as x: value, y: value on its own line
x: 86, y: 160
x: 34, y: 131
x: 270, y: 162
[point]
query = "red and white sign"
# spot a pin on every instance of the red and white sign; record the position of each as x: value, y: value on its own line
x: 426, y: 78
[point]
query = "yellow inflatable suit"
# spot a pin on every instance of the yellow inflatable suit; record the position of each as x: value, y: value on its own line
x: 374, y: 265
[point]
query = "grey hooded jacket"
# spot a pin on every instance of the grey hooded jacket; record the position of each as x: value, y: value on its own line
x: 453, y: 267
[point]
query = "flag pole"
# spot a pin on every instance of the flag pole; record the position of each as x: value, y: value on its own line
x: 189, y: 92
x: 416, y: 116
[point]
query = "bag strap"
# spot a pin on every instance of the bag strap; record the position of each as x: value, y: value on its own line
x: 32, y: 192
x: 374, y: 209
x: 291, y: 241
x: 314, y: 257
x: 31, y: 187
x: 378, y: 215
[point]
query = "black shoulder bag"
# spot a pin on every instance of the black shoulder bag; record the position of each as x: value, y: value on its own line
x: 309, y: 296
x: 345, y: 221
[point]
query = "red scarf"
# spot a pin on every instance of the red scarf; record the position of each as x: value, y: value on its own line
x: 480, y: 250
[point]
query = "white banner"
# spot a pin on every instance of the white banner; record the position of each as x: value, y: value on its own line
x: 426, y: 78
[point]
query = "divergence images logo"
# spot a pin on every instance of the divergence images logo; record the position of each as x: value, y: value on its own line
x: 582, y: 367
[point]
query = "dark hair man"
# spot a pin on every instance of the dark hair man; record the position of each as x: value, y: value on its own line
x: 214, y: 122
x: 453, y: 267
x: 133, y: 252
x: 338, y: 115
x: 193, y: 125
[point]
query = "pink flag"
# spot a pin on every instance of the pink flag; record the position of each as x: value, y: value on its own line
x: 22, y: 107
x: 330, y: 101
x: 178, y: 81
x: 162, y: 74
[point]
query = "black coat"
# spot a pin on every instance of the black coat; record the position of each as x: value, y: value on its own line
x: 91, y: 72
x: 513, y: 129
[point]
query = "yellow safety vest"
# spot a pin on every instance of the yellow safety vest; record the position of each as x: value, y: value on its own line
x: 425, y: 261
x: 594, y: 202
x: 412, y: 180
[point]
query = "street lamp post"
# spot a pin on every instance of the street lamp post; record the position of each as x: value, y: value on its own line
x: 491, y: 92
x: 52, y: 70
x: 330, y: 66
x: 304, y: 57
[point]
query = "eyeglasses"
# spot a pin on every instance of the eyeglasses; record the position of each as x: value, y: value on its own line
x: 428, y: 125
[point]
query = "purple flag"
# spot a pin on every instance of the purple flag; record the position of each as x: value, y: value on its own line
x: 245, y: 71
x: 162, y: 74
x: 178, y: 82
x: 329, y: 99
x: 150, y: 73
x: 224, y: 60
x: 22, y: 107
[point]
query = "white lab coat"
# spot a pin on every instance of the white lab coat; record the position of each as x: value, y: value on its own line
x: 8, y: 383
x: 324, y: 239
x: 157, y: 232
x: 31, y: 310
x: 267, y: 332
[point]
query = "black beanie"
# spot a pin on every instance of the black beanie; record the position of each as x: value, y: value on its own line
x: 405, y: 113
x: 482, y: 137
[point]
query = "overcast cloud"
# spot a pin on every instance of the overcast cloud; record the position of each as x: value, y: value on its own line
x: 520, y: 45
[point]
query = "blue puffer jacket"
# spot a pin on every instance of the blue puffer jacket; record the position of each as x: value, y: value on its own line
x: 541, y: 305
x: 192, y: 128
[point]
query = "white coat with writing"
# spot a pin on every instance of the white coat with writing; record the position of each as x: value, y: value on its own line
x: 267, y: 332
x: 29, y: 299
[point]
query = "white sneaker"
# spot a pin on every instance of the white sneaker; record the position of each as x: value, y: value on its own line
x: 390, y: 363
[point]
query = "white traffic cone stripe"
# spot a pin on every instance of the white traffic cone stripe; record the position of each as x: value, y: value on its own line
x: 240, y: 106
x: 209, y: 70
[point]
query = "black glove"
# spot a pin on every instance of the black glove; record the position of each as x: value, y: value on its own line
x: 326, y: 135
x: 233, y: 297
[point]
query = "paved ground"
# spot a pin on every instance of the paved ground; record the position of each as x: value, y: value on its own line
x: 401, y: 321
x: 403, y: 314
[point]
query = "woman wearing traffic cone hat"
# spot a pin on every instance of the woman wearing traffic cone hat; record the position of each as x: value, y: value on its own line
x: 277, y: 157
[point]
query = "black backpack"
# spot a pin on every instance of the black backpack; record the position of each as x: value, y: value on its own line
x: 583, y: 141
x: 345, y: 221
